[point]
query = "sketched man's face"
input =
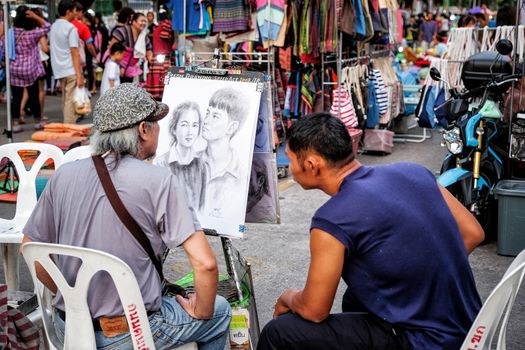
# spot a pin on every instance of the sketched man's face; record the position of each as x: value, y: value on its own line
x: 187, y: 128
x: 216, y: 124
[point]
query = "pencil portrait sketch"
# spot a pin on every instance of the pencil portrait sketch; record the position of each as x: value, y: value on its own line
x: 262, y: 194
x: 207, y: 141
x: 224, y: 117
x: 182, y: 158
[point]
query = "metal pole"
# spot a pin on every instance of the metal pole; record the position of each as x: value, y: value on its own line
x: 8, y: 132
x: 513, y: 86
x: 183, y: 62
x: 339, y: 71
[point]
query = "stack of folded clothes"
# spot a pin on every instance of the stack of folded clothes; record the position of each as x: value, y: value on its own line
x: 63, y: 135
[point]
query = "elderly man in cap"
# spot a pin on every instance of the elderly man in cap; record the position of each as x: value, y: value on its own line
x: 75, y: 210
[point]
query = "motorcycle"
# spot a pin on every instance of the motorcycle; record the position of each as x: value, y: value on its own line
x: 476, y: 135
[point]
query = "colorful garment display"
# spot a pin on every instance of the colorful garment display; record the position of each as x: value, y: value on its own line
x: 270, y: 16
x: 230, y: 16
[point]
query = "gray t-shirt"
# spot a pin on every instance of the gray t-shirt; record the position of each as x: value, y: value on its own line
x: 74, y: 210
x: 62, y: 37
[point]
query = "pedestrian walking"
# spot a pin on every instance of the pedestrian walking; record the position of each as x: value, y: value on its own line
x: 26, y: 67
x: 65, y: 57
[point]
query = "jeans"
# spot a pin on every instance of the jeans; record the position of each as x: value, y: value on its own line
x: 172, y: 326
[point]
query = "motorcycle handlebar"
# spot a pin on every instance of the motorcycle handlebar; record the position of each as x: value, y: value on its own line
x: 476, y: 91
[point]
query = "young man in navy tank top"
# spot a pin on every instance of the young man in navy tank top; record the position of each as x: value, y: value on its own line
x: 398, y: 240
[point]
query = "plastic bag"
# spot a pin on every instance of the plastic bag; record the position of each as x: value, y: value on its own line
x: 81, y: 99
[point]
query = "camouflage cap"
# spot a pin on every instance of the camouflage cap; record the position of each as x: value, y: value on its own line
x: 125, y: 106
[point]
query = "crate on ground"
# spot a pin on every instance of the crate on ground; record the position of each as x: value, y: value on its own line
x: 511, y: 216
x: 378, y: 140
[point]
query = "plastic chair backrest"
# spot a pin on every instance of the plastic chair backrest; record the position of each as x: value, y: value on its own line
x: 79, y: 332
x: 77, y: 153
x: 496, y: 310
x: 26, y: 198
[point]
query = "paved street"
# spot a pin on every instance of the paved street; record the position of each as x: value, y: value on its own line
x: 279, y: 254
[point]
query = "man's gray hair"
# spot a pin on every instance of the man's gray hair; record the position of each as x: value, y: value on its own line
x: 120, y: 142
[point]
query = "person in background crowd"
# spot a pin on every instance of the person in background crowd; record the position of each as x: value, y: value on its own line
x: 65, y: 57
x: 137, y: 44
x: 150, y: 16
x: 162, y: 57
x: 85, y: 47
x: 467, y: 21
x: 444, y: 26
x: 506, y: 16
x: 123, y: 18
x: 482, y: 19
x: 27, y: 66
x: 439, y: 45
x: 101, y: 38
x: 412, y: 31
x: 43, y: 48
x: 89, y: 21
x: 126, y: 132
x: 428, y: 30
x: 111, y: 77
x: 396, y: 297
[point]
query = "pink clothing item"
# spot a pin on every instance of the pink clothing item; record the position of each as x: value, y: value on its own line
x: 27, y: 67
x: 399, y: 20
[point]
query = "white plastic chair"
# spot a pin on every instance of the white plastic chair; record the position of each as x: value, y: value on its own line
x: 79, y: 333
x: 77, y: 153
x: 10, y: 230
x: 496, y: 310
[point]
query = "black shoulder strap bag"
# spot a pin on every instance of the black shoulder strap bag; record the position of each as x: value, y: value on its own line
x: 132, y: 225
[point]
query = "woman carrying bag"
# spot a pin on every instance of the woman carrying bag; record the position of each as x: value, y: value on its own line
x: 138, y: 46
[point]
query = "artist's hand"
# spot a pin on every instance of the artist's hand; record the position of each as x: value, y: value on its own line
x: 190, y: 305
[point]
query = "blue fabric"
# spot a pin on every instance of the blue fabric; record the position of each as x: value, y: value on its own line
x: 405, y: 259
x: 193, y: 15
x: 360, y: 28
x: 12, y: 44
x: 372, y: 117
x: 440, y: 115
x: 425, y: 110
x: 171, y: 327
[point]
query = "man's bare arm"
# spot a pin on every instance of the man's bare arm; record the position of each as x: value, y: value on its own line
x: 314, y: 302
x: 202, y: 258
x: 470, y: 229
x: 76, y: 64
x: 41, y: 273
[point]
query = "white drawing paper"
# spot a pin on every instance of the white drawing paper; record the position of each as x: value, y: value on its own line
x: 207, y: 140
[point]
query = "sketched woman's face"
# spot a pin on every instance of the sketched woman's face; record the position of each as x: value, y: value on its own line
x: 187, y: 128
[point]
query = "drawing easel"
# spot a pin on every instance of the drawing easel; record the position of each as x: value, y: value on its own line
x: 238, y: 269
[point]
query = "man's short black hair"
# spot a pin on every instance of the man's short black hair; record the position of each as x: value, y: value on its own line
x: 64, y: 6
x: 117, y: 47
x: 79, y: 6
x: 325, y: 135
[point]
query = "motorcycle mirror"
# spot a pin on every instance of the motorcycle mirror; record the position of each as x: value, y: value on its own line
x: 435, y: 74
x: 504, y: 47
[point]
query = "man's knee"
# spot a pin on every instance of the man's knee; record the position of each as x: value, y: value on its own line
x: 275, y: 331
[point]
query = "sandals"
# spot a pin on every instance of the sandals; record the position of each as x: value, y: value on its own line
x: 39, y: 125
x: 17, y: 128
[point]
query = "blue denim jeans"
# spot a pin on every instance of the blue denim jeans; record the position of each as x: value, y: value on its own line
x: 172, y: 326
